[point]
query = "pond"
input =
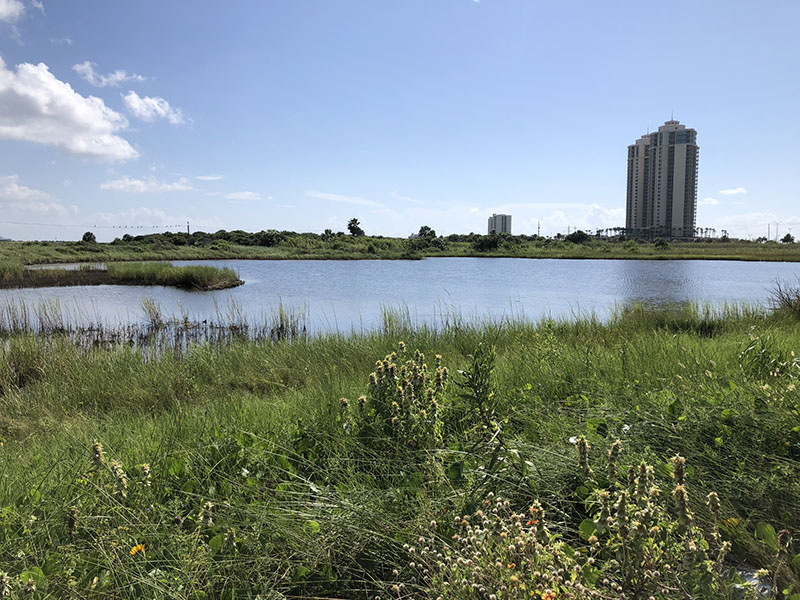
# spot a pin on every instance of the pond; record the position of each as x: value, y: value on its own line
x: 352, y: 295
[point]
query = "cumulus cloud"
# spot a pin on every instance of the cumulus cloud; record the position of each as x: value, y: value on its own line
x: 11, y: 10
x: 18, y: 197
x: 342, y: 198
x: 209, y: 177
x: 35, y: 106
x: 152, y: 108
x: 243, y: 196
x: 86, y: 70
x: 146, y: 185
x: 733, y: 191
x: 600, y: 217
x: 708, y: 202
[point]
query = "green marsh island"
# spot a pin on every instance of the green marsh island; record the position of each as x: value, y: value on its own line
x: 13, y: 274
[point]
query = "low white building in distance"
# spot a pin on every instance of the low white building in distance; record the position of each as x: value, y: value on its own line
x: 500, y: 224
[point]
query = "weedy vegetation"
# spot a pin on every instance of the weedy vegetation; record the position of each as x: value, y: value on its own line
x: 656, y: 455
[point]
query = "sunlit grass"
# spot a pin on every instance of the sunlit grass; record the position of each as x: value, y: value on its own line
x: 260, y: 481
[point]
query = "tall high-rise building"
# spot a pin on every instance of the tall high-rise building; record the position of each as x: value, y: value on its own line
x: 500, y: 224
x: 662, y: 183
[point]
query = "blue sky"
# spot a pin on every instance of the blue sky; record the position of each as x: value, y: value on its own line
x: 301, y: 114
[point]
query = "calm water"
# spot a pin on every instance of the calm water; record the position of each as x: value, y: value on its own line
x: 347, y: 295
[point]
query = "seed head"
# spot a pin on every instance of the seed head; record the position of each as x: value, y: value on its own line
x: 583, y: 455
x: 713, y: 504
x: 5, y: 585
x: 72, y: 522
x: 145, y: 469
x: 679, y: 470
x: 97, y: 453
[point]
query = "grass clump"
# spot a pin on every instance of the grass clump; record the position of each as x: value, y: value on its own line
x: 194, y: 277
x: 10, y: 269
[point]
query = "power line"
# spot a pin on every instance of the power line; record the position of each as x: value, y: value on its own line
x: 79, y: 226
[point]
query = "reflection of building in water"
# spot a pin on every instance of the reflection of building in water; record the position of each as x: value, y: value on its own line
x: 658, y: 283
x: 499, y: 224
x: 662, y: 183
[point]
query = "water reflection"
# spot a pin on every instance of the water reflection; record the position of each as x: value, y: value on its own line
x: 657, y: 282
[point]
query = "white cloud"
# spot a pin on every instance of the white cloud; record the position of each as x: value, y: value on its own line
x: 733, y: 191
x: 38, y: 4
x: 146, y: 185
x: 61, y: 41
x: 86, y: 70
x: 600, y: 217
x: 17, y: 197
x: 708, y: 202
x: 209, y: 177
x: 341, y: 198
x: 37, y: 107
x: 11, y: 10
x: 243, y: 196
x: 151, y: 108
x: 398, y: 196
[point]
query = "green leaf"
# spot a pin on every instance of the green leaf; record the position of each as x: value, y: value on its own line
x: 455, y: 472
x: 312, y: 527
x: 300, y: 572
x: 766, y: 533
x: 587, y: 529
x: 34, y: 573
x: 582, y: 492
x: 796, y: 563
x: 590, y: 575
x: 215, y: 544
x: 675, y: 409
x: 52, y: 564
x: 175, y: 467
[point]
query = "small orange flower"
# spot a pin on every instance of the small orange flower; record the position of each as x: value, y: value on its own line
x: 512, y: 565
x: 136, y: 549
x: 533, y: 522
x: 549, y: 596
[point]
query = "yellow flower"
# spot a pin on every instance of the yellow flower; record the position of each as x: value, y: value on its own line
x: 137, y: 548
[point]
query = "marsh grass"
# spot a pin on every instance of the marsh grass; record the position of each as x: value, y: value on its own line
x: 261, y: 481
x: 10, y: 269
x: 786, y: 298
x: 192, y: 277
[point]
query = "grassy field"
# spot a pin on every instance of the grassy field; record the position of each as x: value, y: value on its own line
x: 195, y: 277
x: 301, y: 468
x: 289, y: 245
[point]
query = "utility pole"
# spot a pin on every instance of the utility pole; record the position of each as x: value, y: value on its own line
x: 538, y: 229
x: 768, y: 224
x: 187, y: 228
